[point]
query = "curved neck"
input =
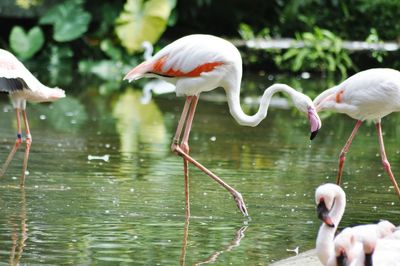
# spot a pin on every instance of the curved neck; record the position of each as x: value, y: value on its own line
x: 324, y: 244
x: 233, y: 93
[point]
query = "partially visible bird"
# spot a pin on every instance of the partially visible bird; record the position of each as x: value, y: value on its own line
x: 200, y: 63
x: 368, y: 250
x: 22, y: 86
x: 367, y: 95
x: 156, y: 86
x: 331, y: 202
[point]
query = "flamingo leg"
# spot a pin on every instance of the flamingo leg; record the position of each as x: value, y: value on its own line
x: 385, y: 161
x: 185, y: 147
x: 342, y: 156
x: 27, y: 149
x: 236, y: 195
x: 175, y: 143
x: 181, y: 151
x: 18, y: 142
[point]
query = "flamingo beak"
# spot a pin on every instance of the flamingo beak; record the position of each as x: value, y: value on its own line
x: 315, y: 122
x: 323, y: 214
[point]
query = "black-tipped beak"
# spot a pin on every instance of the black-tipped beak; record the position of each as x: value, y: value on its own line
x: 313, y: 134
x: 315, y: 122
x: 323, y: 214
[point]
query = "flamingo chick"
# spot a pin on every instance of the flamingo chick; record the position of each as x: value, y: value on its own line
x: 22, y: 86
x: 200, y: 63
x: 367, y: 95
x: 331, y: 203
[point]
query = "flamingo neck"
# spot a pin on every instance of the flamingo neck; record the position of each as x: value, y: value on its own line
x: 233, y: 95
x: 325, y: 245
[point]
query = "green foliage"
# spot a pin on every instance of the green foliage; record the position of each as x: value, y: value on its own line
x: 321, y: 51
x: 26, y: 44
x: 247, y: 33
x: 373, y: 37
x: 69, y: 19
x: 142, y: 21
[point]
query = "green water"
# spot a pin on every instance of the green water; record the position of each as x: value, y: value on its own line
x: 129, y: 209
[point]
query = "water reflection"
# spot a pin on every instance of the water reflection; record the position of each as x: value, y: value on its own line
x: 234, y: 243
x: 19, y: 232
x: 138, y: 123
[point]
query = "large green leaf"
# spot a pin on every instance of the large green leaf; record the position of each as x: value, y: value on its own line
x: 25, y: 45
x: 142, y: 21
x: 69, y: 19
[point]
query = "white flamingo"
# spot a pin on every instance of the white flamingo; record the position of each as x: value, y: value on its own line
x: 367, y: 95
x: 22, y: 86
x: 200, y: 63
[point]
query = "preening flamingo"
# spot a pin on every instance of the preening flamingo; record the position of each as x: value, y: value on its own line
x: 331, y: 202
x: 200, y: 63
x: 22, y: 86
x: 367, y: 95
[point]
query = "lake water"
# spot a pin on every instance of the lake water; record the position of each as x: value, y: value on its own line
x: 104, y: 189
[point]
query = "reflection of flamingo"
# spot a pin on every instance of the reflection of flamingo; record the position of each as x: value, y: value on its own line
x: 368, y: 95
x: 239, y: 234
x: 156, y: 86
x: 18, y: 246
x: 22, y: 86
x: 331, y: 202
x: 199, y: 63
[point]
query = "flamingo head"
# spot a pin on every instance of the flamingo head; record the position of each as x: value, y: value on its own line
x: 325, y: 200
x: 305, y: 105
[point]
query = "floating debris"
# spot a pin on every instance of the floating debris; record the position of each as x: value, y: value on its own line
x: 296, y: 250
x: 105, y: 157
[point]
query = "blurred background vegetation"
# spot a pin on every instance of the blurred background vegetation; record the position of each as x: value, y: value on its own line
x: 101, y: 40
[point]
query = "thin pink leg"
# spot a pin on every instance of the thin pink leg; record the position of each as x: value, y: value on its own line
x: 27, y: 149
x: 18, y: 142
x: 385, y: 161
x: 236, y: 195
x: 185, y: 147
x: 175, y: 143
x: 175, y: 148
x: 181, y: 123
x: 342, y: 156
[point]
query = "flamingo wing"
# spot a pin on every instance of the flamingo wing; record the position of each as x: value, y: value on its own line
x: 187, y: 57
x: 13, y: 74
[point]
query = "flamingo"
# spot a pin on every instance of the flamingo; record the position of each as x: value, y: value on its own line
x: 200, y: 63
x: 368, y: 95
x: 368, y: 250
x: 22, y: 86
x: 331, y: 203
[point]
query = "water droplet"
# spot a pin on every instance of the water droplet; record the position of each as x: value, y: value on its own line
x: 42, y: 117
x: 213, y: 138
x: 132, y: 190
